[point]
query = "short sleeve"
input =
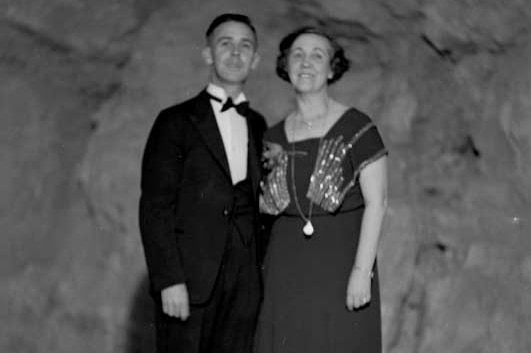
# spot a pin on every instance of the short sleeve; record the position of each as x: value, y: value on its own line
x: 367, y: 146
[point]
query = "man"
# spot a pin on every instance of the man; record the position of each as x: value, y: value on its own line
x: 198, y: 209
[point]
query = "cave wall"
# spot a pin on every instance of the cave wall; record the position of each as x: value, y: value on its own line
x: 448, y: 83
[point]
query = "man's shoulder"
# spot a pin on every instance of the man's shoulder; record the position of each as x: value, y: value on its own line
x: 177, y: 113
x: 180, y: 108
x: 255, y: 113
x: 258, y: 118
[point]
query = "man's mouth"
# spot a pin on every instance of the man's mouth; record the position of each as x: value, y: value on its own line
x: 234, y: 65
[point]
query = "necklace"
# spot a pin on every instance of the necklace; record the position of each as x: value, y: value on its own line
x: 308, y: 228
x: 308, y: 124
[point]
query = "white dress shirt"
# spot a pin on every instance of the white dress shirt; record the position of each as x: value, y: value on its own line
x: 233, y: 129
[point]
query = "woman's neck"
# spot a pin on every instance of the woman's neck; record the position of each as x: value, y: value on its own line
x: 312, y: 106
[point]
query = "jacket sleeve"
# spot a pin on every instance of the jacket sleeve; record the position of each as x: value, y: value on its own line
x: 264, y: 221
x: 162, y: 169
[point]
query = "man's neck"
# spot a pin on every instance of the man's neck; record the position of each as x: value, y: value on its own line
x: 232, y: 91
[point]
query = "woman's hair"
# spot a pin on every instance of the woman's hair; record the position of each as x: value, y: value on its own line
x: 338, y: 62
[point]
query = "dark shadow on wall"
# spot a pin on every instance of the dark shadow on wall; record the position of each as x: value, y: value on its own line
x: 141, y: 327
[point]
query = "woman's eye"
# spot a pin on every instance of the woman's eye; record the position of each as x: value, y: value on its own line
x: 318, y: 56
x: 296, y: 55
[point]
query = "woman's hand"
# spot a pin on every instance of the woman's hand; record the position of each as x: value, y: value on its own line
x: 358, y: 288
x: 275, y: 195
x: 271, y: 155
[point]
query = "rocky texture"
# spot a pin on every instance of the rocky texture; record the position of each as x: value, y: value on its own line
x: 448, y: 83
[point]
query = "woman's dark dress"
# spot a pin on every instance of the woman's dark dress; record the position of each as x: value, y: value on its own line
x: 304, y: 308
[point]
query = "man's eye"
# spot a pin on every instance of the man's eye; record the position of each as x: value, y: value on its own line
x: 247, y: 46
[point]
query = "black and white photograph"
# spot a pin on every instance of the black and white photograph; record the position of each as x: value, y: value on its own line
x: 282, y: 176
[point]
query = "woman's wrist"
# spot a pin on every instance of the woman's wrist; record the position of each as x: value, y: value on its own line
x: 364, y: 271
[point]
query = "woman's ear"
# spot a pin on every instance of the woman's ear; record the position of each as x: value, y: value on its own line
x: 331, y: 71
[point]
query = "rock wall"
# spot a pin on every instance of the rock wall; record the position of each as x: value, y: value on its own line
x: 448, y: 83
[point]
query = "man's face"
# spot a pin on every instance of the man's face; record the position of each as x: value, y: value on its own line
x: 231, y: 52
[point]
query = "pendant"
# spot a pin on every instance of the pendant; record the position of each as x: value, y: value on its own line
x: 308, y: 229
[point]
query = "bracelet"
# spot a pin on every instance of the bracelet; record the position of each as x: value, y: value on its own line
x: 369, y: 273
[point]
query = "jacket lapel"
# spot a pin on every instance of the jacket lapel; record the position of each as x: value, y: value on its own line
x: 253, y: 163
x: 205, y: 121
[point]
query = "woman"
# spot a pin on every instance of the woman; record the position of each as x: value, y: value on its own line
x: 327, y: 186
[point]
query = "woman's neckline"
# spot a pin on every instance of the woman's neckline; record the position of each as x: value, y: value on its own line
x: 284, y: 129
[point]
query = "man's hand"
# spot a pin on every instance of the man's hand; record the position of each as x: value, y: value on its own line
x: 175, y: 301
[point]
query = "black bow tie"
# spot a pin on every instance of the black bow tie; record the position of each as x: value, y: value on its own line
x: 242, y: 108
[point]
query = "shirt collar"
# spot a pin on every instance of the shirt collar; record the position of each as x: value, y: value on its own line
x: 220, y: 93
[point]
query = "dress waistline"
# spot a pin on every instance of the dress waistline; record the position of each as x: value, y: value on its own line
x: 323, y: 214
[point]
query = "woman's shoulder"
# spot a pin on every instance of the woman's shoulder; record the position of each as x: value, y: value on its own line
x: 364, y: 133
x: 356, y: 119
x: 348, y: 119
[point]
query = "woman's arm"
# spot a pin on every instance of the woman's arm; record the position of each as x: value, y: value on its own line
x: 373, y: 182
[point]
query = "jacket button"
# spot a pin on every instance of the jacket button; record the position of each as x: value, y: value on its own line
x: 226, y: 212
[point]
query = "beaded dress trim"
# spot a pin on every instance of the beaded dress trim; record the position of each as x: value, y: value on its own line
x: 326, y: 187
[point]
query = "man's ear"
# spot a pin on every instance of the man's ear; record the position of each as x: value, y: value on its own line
x: 206, y: 53
x: 256, y: 60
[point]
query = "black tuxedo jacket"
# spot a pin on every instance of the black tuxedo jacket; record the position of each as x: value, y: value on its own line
x: 187, y: 196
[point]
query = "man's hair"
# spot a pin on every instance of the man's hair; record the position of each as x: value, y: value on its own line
x: 230, y: 17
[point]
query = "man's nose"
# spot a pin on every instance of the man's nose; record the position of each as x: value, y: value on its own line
x: 235, y: 50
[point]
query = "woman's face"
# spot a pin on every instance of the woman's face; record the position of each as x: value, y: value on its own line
x: 309, y: 63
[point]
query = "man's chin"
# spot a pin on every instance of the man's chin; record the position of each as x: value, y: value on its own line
x: 234, y: 79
